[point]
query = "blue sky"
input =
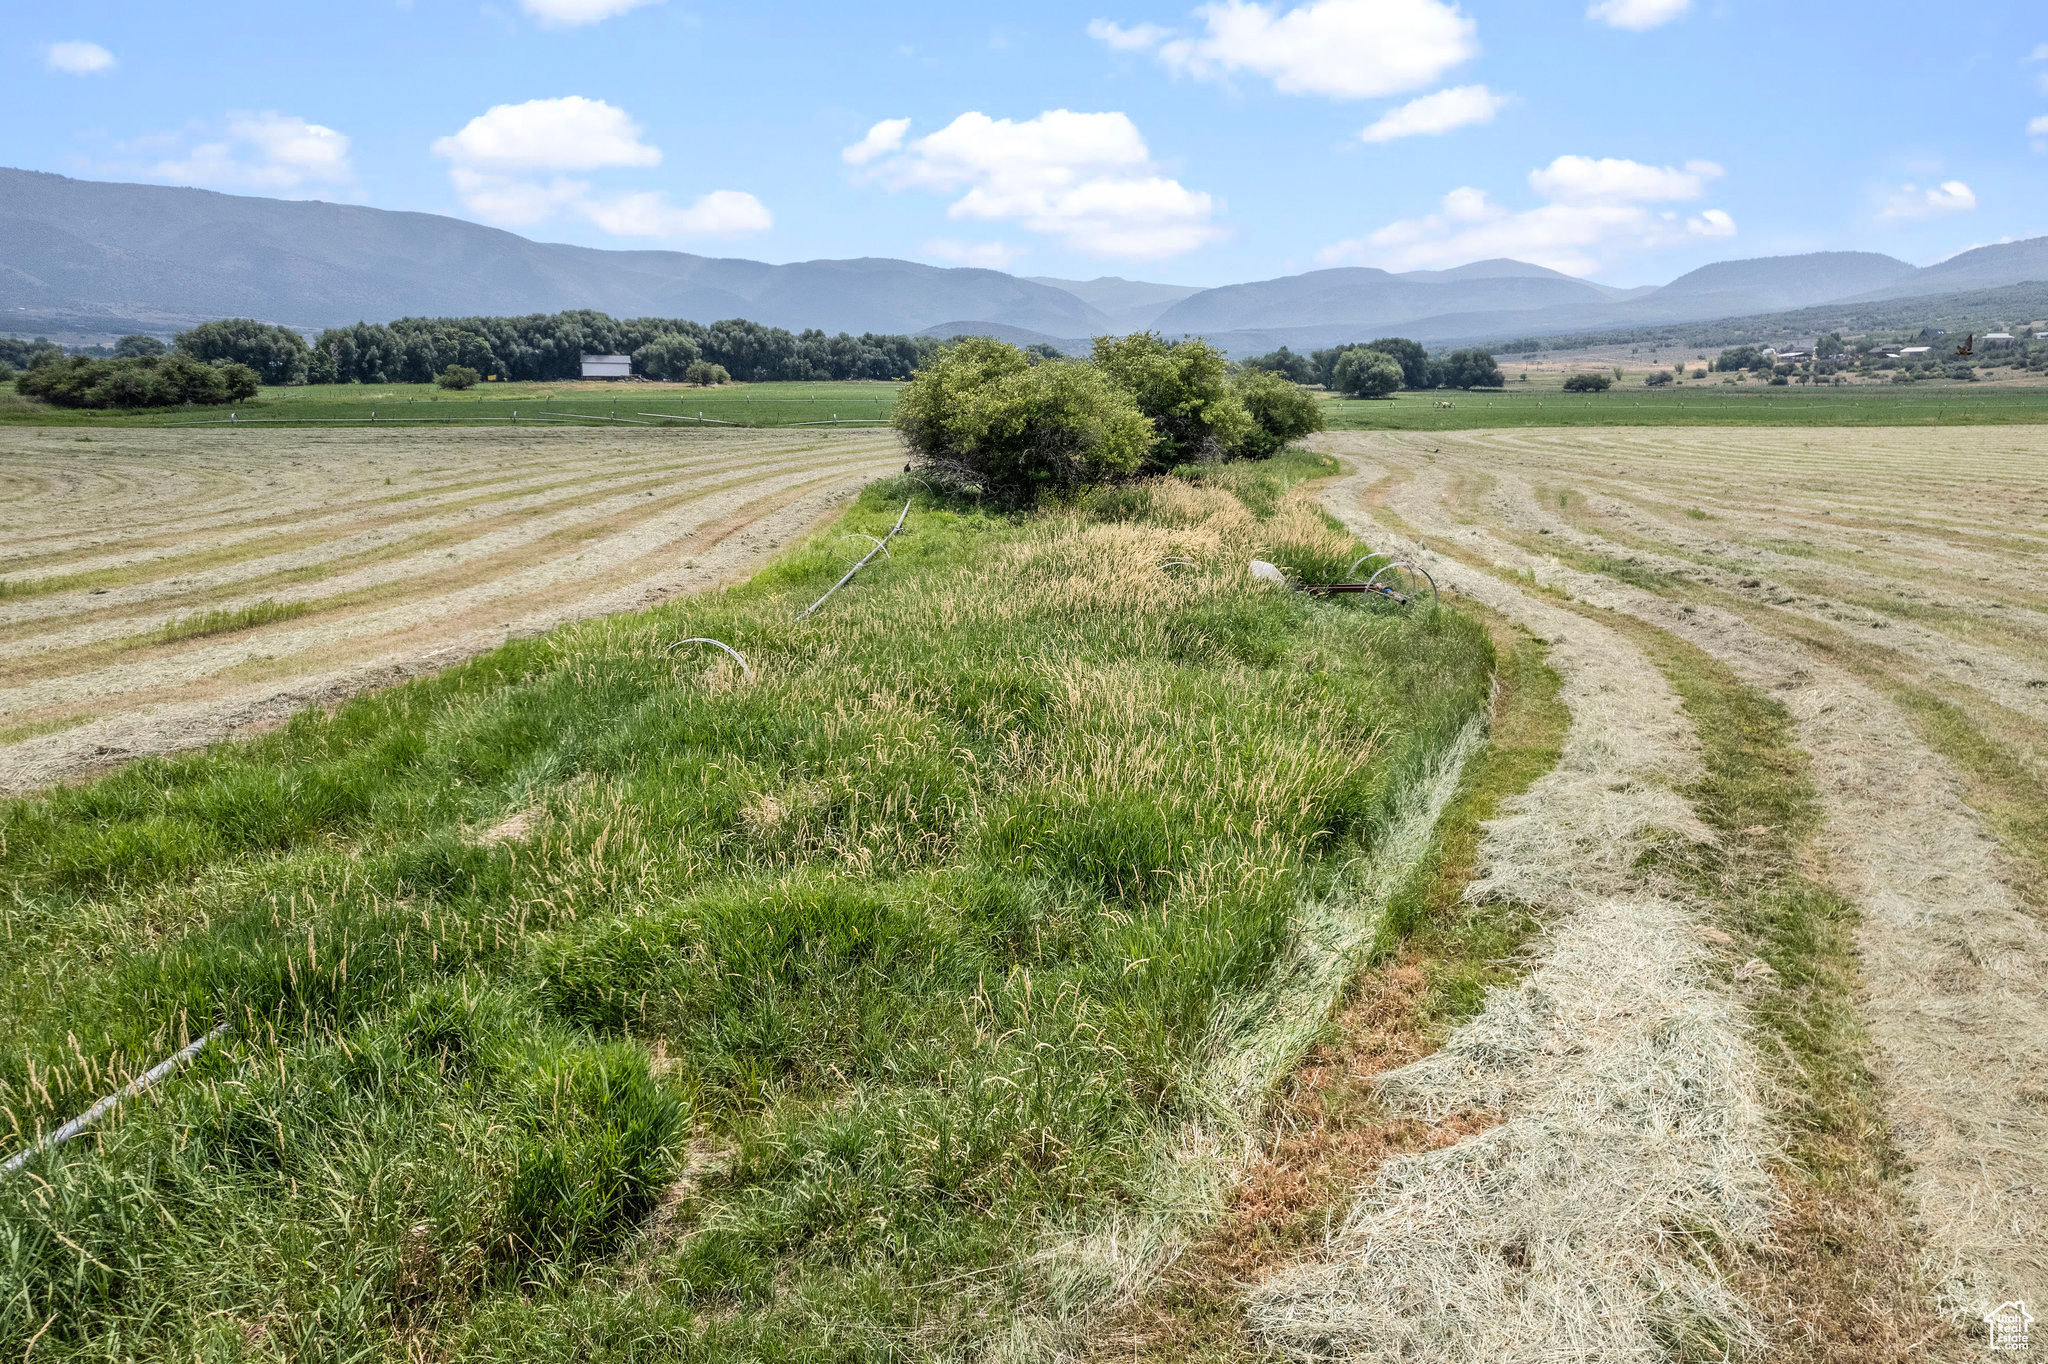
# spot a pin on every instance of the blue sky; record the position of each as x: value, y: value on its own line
x: 1625, y: 140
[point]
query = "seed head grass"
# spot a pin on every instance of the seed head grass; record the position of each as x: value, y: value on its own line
x: 923, y: 931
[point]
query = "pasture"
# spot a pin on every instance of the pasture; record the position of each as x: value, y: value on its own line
x: 164, y: 589
x: 583, y: 403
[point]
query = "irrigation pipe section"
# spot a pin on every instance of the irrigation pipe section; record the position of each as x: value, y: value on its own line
x: 881, y: 547
x: 149, y: 1078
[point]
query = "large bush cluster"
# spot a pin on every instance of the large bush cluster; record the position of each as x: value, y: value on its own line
x: 144, y: 381
x: 987, y: 415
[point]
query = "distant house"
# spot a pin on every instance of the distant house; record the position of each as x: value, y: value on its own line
x: 1904, y: 351
x: 607, y: 366
x: 1996, y: 338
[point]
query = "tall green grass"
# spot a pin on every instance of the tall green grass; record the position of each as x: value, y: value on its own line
x: 806, y: 1008
x: 227, y: 620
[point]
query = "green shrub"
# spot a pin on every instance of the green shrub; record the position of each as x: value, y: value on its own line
x: 1658, y: 379
x: 1183, y: 388
x: 459, y: 377
x: 982, y: 414
x: 1588, y: 382
x: 1281, y: 411
x: 137, y: 346
x: 148, y: 381
x: 1364, y: 373
x: 704, y: 374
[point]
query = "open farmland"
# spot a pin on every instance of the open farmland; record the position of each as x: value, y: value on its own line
x: 1855, y: 626
x: 909, y: 994
x: 162, y: 589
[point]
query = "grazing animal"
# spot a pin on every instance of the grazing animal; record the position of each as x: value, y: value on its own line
x: 1443, y: 404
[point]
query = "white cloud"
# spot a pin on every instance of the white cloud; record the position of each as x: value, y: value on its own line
x: 2040, y: 54
x: 1637, y: 14
x: 1581, y: 179
x: 2039, y: 127
x: 269, y: 152
x: 1087, y: 179
x: 883, y: 138
x: 502, y: 156
x: 571, y: 133
x: 721, y: 213
x: 1713, y: 223
x: 1911, y: 201
x: 983, y: 255
x: 1461, y: 106
x: 1594, y: 210
x: 1136, y: 38
x: 78, y: 58
x: 1346, y: 49
x: 576, y: 13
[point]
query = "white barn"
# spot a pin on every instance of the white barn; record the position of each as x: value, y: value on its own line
x: 607, y: 366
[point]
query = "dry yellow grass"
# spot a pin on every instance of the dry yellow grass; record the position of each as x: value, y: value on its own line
x: 1887, y: 587
x: 357, y: 558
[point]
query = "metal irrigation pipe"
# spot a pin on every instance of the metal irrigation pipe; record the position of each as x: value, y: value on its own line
x: 148, y: 1079
x: 700, y: 417
x: 862, y: 535
x: 738, y: 658
x: 586, y: 417
x: 1361, y: 559
x: 880, y: 548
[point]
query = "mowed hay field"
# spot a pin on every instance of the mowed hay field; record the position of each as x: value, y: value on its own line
x: 1864, y: 614
x: 163, y: 589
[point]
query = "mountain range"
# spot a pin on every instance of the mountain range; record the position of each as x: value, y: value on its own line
x: 92, y: 257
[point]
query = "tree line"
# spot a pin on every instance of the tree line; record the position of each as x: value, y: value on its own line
x: 1375, y: 369
x: 987, y: 417
x: 550, y: 347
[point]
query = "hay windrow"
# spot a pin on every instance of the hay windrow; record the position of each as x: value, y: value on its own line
x: 1624, y: 1074
x: 1955, y: 970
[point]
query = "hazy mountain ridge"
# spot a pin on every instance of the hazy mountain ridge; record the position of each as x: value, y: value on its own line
x: 90, y: 254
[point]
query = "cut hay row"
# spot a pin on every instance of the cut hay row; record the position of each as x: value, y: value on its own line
x: 316, y: 565
x: 1955, y: 970
x: 1620, y: 1072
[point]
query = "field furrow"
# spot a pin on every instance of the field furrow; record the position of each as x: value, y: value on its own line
x: 1925, y: 741
x: 161, y: 589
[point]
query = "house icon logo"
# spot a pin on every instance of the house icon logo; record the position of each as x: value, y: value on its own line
x: 2009, y: 1323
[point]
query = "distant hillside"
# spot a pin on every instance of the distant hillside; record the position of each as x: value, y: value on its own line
x: 1775, y: 282
x: 157, y: 257
x: 82, y: 257
x: 1132, y: 305
x: 1375, y: 300
x: 1016, y: 336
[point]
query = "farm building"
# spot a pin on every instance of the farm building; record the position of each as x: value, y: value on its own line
x: 607, y: 366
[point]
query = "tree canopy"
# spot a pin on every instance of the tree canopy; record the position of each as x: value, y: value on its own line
x: 1364, y: 373
x: 1183, y: 387
x: 277, y: 354
x: 1281, y: 411
x: 1469, y: 368
x: 551, y: 346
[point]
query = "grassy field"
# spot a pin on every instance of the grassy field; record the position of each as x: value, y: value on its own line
x: 615, y: 403
x: 1538, y: 403
x: 1698, y: 404
x: 594, y: 999
x: 159, y: 588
